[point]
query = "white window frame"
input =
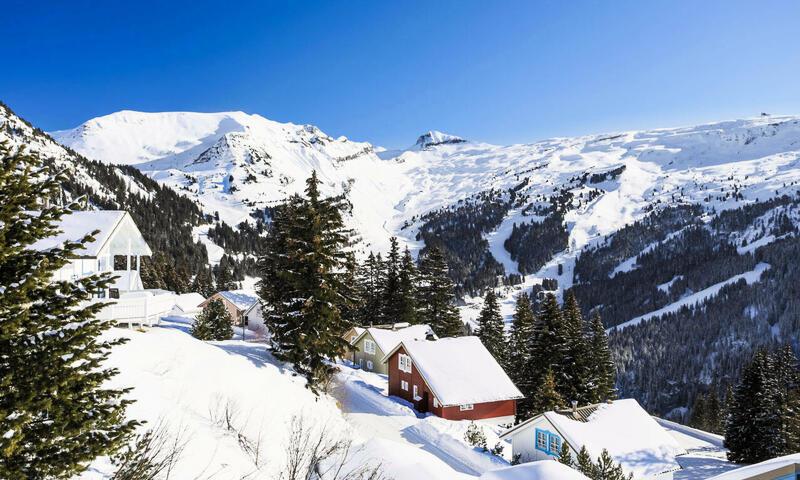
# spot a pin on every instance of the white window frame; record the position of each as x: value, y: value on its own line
x: 403, y: 385
x: 435, y: 403
x: 360, y: 363
x: 369, y: 364
x: 466, y: 407
x: 404, y: 363
x: 369, y: 347
x: 416, y: 392
x: 353, y: 337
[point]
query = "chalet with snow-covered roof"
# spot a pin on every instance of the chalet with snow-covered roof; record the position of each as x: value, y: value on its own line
x: 244, y: 307
x: 780, y: 468
x: 118, y: 241
x: 632, y: 437
x: 373, y: 343
x: 453, y: 378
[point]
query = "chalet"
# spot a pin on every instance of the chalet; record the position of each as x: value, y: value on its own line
x: 373, y: 343
x: 244, y: 307
x: 453, y: 378
x: 117, y: 242
x: 632, y: 437
x: 189, y: 303
x: 351, y: 334
x: 781, y: 468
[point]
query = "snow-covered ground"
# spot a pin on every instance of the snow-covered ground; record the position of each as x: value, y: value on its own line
x: 706, y: 456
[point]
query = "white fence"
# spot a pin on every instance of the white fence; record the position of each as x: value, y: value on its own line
x: 144, y: 310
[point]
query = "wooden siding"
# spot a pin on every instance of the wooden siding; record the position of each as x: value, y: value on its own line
x: 425, y: 403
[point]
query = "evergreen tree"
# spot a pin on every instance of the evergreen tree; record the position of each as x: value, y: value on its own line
x: 549, y: 345
x: 565, y: 455
x: 520, y: 343
x: 606, y: 469
x: 546, y: 397
x: 213, y: 323
x: 491, y: 328
x: 436, y: 296
x: 584, y: 464
x: 578, y: 358
x: 788, y: 379
x: 225, y: 279
x: 203, y: 283
x: 303, y: 282
x: 57, y: 413
x: 753, y: 429
x: 699, y: 415
x: 368, y: 281
x: 392, y: 303
x: 408, y: 289
x: 603, y: 372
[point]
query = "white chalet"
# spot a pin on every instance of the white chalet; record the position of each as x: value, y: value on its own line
x: 632, y: 437
x: 118, y: 237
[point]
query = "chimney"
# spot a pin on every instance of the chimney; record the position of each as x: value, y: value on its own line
x: 574, y: 406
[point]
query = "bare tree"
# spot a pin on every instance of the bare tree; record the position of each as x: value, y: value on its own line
x: 152, y: 455
x: 313, y: 452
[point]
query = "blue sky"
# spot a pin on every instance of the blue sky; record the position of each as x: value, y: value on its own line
x: 385, y: 71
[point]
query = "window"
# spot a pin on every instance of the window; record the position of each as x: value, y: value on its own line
x: 404, y: 385
x: 435, y: 403
x: 466, y: 406
x: 369, y: 346
x: 246, y: 320
x: 416, y: 393
x: 547, y: 442
x: 360, y: 363
x: 353, y: 337
x: 404, y: 363
x: 369, y: 364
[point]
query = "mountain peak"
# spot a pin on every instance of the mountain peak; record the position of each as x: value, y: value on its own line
x: 435, y: 137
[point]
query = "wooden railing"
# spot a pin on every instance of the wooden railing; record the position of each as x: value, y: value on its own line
x: 144, y: 310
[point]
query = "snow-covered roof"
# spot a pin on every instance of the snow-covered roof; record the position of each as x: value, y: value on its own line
x: 188, y: 302
x: 460, y: 371
x: 541, y: 470
x: 769, y: 466
x: 632, y: 437
x: 387, y: 339
x: 118, y: 233
x: 242, y: 299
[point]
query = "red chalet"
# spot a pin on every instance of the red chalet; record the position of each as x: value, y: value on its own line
x: 453, y: 378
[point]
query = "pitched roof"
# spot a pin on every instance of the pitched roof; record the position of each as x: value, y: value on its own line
x: 768, y: 466
x: 387, y: 339
x: 110, y: 223
x: 242, y: 299
x: 541, y: 470
x: 632, y: 437
x: 460, y: 371
x: 188, y: 302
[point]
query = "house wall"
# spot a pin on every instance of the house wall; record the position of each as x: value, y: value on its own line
x: 235, y: 313
x: 350, y: 335
x: 523, y: 442
x: 364, y: 359
x: 480, y: 411
x: 254, y: 319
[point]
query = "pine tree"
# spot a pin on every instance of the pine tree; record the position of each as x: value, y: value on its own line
x: 549, y: 345
x: 491, y: 328
x: 546, y: 398
x: 565, y: 455
x: 699, y: 415
x: 606, y: 469
x: 392, y: 303
x: 213, y: 323
x: 578, y: 359
x: 408, y: 289
x: 368, y: 282
x: 57, y: 413
x: 753, y: 428
x: 303, y: 282
x: 203, y: 283
x: 603, y: 371
x: 225, y: 279
x: 518, y: 365
x: 436, y: 296
x: 788, y: 379
x: 584, y: 463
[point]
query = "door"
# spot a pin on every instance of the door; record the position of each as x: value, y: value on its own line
x: 423, y: 404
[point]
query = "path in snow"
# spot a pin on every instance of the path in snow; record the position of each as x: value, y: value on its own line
x: 706, y: 456
x: 749, y: 277
x: 497, y: 239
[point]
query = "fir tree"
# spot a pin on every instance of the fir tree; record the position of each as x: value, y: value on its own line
x: 490, y: 327
x: 520, y: 342
x: 565, y: 455
x: 203, y: 283
x: 436, y: 296
x: 606, y: 469
x: 546, y: 397
x: 368, y: 281
x: 578, y: 358
x: 57, y: 413
x: 303, y: 282
x: 549, y: 345
x: 392, y: 303
x: 603, y: 372
x: 213, y: 323
x: 408, y: 289
x: 225, y: 279
x: 584, y: 464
